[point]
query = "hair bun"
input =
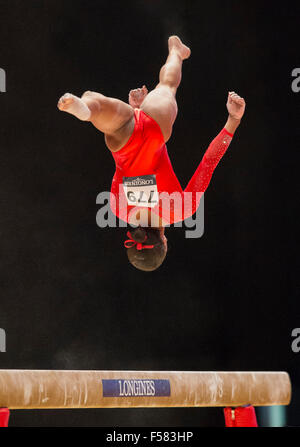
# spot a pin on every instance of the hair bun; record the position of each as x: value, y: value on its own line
x: 138, y: 234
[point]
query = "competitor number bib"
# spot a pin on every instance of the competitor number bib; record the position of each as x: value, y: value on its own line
x: 141, y: 191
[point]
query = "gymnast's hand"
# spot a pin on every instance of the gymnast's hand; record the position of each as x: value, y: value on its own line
x: 235, y: 106
x: 137, y: 96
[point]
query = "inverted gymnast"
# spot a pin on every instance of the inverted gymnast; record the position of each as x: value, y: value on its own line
x: 136, y: 134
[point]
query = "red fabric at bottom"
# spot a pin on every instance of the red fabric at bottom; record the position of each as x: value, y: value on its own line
x: 4, y: 417
x: 240, y: 417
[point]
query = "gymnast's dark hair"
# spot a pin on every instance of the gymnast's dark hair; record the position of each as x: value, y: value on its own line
x: 146, y: 259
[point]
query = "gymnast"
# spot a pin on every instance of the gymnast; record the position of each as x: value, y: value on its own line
x: 136, y: 134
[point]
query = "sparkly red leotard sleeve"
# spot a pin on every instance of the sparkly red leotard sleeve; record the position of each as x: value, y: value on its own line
x: 203, y: 174
x: 145, y: 153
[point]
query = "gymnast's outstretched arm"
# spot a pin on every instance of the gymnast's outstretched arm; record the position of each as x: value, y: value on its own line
x: 217, y: 148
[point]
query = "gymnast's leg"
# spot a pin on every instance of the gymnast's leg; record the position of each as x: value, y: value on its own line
x: 111, y: 116
x: 160, y: 103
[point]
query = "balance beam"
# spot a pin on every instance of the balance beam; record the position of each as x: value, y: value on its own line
x: 41, y: 389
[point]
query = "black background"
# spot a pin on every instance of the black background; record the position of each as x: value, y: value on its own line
x: 69, y: 298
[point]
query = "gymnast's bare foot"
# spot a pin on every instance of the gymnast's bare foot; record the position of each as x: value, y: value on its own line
x: 137, y: 96
x: 74, y: 105
x: 65, y: 102
x: 175, y: 44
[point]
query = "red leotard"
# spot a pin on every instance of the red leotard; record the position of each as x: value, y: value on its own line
x: 146, y: 153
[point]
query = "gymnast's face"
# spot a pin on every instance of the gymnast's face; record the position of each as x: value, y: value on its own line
x: 163, y: 237
x: 165, y: 241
